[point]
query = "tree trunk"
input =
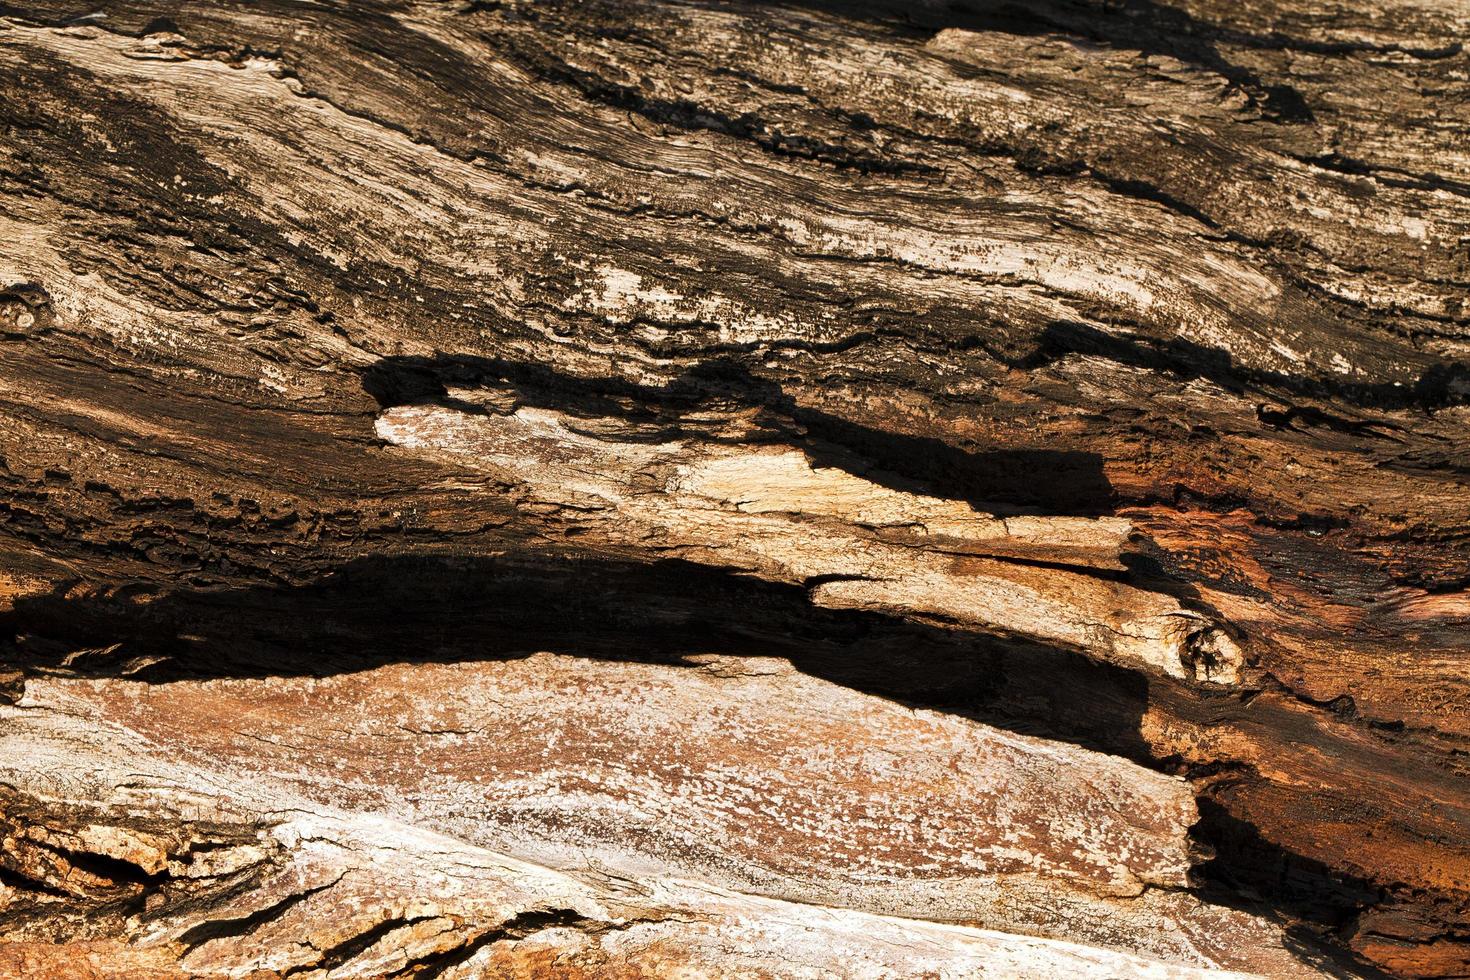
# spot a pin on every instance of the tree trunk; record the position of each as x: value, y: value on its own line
x: 616, y: 488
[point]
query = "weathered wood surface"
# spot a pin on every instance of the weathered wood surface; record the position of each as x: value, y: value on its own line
x: 762, y: 489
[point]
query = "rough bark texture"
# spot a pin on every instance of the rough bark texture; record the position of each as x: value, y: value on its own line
x: 734, y: 489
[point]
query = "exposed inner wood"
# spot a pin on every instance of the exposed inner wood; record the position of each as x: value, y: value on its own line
x: 761, y: 489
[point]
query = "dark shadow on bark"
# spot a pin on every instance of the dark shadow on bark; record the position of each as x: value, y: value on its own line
x: 1441, y: 385
x: 1010, y: 480
x: 1249, y: 872
x: 437, y: 608
x: 1142, y: 25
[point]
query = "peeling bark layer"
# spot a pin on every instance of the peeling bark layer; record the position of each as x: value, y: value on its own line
x: 761, y: 489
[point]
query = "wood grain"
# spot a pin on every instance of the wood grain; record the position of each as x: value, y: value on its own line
x: 619, y: 487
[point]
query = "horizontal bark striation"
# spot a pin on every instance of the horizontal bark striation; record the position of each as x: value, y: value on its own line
x: 1093, y: 374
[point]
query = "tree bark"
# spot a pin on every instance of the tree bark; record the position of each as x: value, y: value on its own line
x: 778, y: 489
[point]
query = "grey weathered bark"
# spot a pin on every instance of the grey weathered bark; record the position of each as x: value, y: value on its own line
x: 791, y: 488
